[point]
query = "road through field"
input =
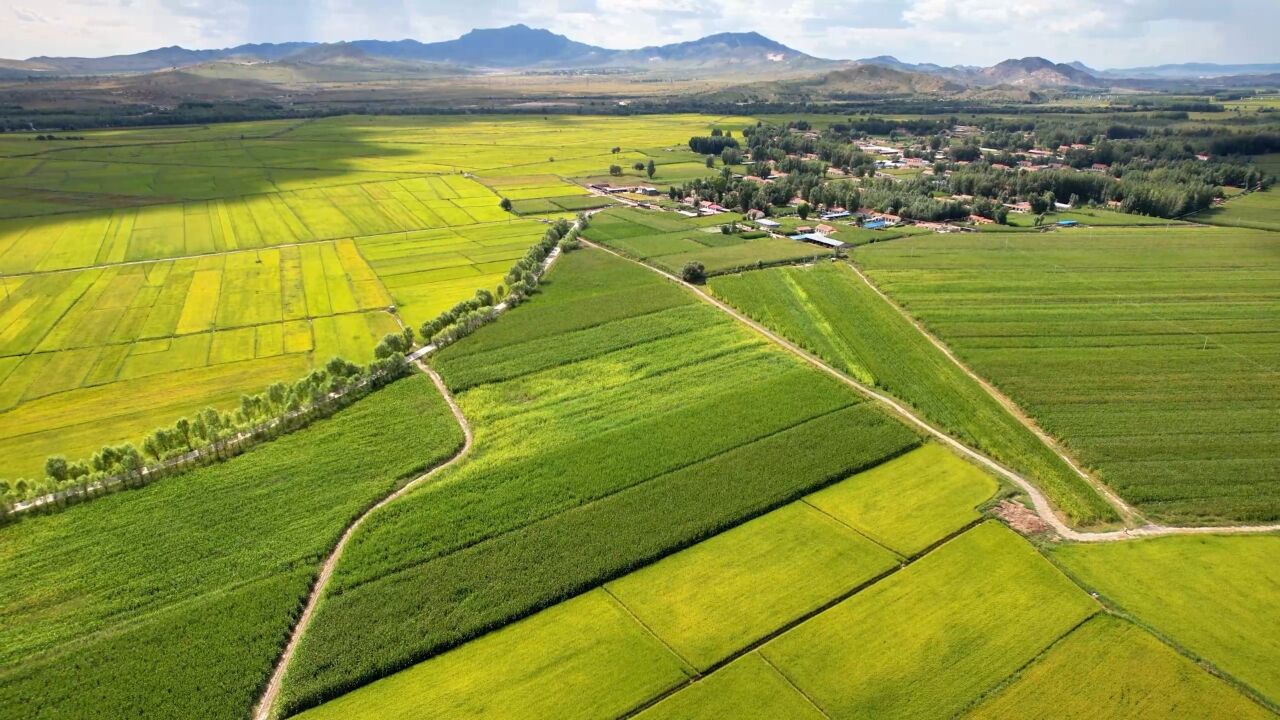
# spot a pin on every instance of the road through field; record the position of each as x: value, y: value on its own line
x: 1039, y: 501
x: 265, y: 703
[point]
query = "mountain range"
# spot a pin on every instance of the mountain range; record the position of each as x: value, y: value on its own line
x: 521, y: 48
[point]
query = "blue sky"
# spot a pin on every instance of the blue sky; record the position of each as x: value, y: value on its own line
x: 1102, y: 33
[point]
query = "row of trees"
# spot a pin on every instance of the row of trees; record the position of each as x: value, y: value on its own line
x: 210, y: 435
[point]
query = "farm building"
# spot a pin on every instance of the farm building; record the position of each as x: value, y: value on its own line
x: 876, y: 224
x: 819, y: 239
x: 767, y: 223
x: 836, y: 215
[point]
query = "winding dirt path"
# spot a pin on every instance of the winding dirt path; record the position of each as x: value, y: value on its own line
x: 1040, y: 503
x: 265, y: 704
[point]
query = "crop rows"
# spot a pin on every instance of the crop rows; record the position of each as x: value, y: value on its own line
x: 560, y: 474
x: 102, y: 620
x: 834, y: 315
x: 1150, y: 353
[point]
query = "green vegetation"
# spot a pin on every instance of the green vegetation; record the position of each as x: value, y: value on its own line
x: 1109, y: 668
x: 1214, y: 596
x: 718, y: 427
x: 731, y: 590
x: 935, y: 636
x: 830, y: 312
x: 1148, y: 352
x: 104, y: 607
x: 911, y: 502
x: 747, y: 689
x: 584, y: 658
x: 261, y: 250
x: 671, y: 241
x: 1259, y: 210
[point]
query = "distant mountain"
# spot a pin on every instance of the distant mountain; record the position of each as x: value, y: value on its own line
x: 882, y: 80
x: 1193, y: 70
x: 158, y: 59
x: 1036, y: 72
x: 509, y: 47
x: 1084, y: 68
x: 739, y: 48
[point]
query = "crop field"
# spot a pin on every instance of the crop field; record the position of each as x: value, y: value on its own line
x: 748, y: 689
x: 603, y: 442
x: 1259, y: 210
x: 1217, y: 597
x: 833, y: 314
x: 174, y: 600
x: 148, y: 273
x: 1109, y: 668
x: 910, y: 503
x: 669, y: 240
x: 1151, y: 353
x: 930, y: 639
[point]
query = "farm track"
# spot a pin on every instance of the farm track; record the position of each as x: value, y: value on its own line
x: 1040, y: 503
x: 272, y: 691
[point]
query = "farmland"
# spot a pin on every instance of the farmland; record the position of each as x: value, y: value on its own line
x: 1259, y: 210
x: 1149, y: 353
x: 830, y: 312
x: 148, y: 273
x: 559, y: 474
x: 1109, y: 668
x: 101, y: 620
x: 668, y: 241
x: 1217, y: 597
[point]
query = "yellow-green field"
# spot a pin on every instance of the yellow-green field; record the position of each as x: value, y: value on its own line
x: 146, y: 273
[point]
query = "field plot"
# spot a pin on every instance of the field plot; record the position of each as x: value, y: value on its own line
x: 584, y: 658
x: 1259, y: 210
x: 174, y: 600
x: 430, y: 271
x: 829, y: 311
x: 911, y: 502
x: 935, y: 636
x: 1218, y: 597
x: 1151, y: 353
x: 91, y: 355
x: 727, y: 592
x: 1109, y: 668
x: 603, y: 442
x: 748, y: 689
x: 668, y: 241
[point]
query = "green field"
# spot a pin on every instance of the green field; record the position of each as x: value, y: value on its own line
x: 910, y: 503
x: 1109, y: 668
x: 669, y: 241
x: 1217, y: 597
x: 1150, y: 353
x: 934, y: 637
x: 833, y: 314
x: 603, y: 441
x: 148, y: 273
x: 175, y: 600
x: 1259, y: 210
x: 749, y: 689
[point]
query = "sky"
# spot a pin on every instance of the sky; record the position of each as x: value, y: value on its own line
x: 1101, y: 33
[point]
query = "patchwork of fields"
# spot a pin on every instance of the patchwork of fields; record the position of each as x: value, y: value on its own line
x: 148, y: 273
x: 669, y: 240
x: 174, y: 600
x: 617, y: 419
x: 828, y: 310
x: 1152, y: 354
x: 1259, y: 210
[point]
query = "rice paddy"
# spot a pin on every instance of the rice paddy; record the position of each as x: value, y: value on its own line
x: 148, y: 273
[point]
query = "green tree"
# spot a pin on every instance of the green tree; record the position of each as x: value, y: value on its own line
x: 55, y: 468
x: 505, y: 204
x: 694, y: 272
x: 711, y: 161
x: 803, y: 211
x: 615, y: 170
x: 651, y: 169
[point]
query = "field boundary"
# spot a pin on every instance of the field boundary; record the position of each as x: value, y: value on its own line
x: 1040, y: 502
x: 1126, y: 511
x: 267, y: 701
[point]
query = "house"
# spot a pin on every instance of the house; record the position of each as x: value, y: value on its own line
x: 1061, y: 206
x: 1115, y: 204
x: 768, y: 224
x: 687, y: 213
x: 1202, y: 157
x: 979, y: 220
x: 1022, y: 207
x: 825, y: 229
x: 819, y: 239
x: 836, y: 215
x: 803, y: 229
x: 646, y: 190
x: 1099, y: 167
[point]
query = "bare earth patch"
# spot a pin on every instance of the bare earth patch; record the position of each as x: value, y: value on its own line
x: 1021, y: 518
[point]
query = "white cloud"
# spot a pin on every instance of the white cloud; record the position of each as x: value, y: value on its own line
x: 1100, y: 32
